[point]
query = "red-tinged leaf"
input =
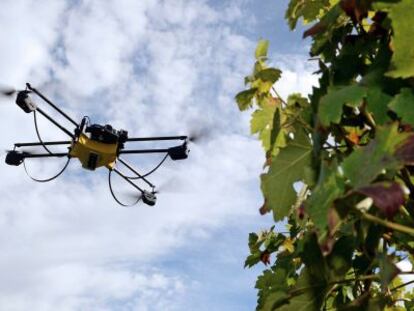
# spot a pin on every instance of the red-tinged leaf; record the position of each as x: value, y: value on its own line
x: 315, y: 29
x: 333, y: 221
x: 264, y: 209
x: 405, y: 151
x: 301, y: 211
x: 348, y: 6
x: 357, y: 10
x: 265, y: 258
x: 388, y: 197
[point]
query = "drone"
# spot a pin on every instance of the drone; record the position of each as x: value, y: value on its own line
x: 94, y: 145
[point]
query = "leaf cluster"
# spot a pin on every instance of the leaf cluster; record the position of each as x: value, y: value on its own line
x: 339, y: 164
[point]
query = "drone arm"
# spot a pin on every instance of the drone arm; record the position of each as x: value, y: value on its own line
x: 139, y: 151
x: 157, y: 138
x: 47, y: 143
x: 179, y: 152
x: 127, y: 179
x: 50, y: 103
x: 54, y: 122
x: 45, y: 155
x: 136, y: 173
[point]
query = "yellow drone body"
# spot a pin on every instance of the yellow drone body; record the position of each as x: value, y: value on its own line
x: 93, y: 154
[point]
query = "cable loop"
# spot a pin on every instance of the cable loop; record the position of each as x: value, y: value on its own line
x: 150, y: 172
x: 115, y: 197
x: 48, y: 179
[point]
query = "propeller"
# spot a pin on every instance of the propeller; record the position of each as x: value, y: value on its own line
x: 199, y: 135
x: 7, y: 91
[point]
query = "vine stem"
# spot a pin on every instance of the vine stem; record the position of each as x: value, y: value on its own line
x: 278, y: 96
x: 299, y: 291
x: 402, y: 285
x: 388, y: 224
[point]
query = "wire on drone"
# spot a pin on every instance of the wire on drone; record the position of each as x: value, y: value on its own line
x: 115, y: 197
x: 150, y: 172
x: 38, y: 134
x: 48, y: 179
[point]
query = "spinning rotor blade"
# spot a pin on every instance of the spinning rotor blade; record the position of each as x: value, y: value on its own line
x: 199, y: 135
x: 6, y: 91
x: 172, y: 185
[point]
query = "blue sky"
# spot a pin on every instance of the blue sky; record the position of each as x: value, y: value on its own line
x: 155, y: 68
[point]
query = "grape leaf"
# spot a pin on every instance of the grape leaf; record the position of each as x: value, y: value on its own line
x: 379, y: 154
x: 388, y: 270
x: 402, y: 62
x: 269, y: 74
x: 261, y: 49
x: 388, y: 197
x: 329, y: 187
x: 286, y: 168
x: 266, y: 122
x: 262, y: 118
x: 309, y: 10
x: 330, y: 109
x: 308, y: 295
x: 377, y: 102
x: 244, y: 98
x: 403, y: 105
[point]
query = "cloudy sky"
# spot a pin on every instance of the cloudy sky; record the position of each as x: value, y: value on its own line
x: 154, y: 68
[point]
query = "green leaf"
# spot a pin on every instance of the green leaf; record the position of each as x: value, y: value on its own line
x: 269, y: 74
x: 244, y: 98
x: 253, y: 238
x: 313, y: 258
x: 266, y: 122
x: 379, y: 154
x: 274, y: 300
x: 308, y: 294
x: 252, y: 260
x: 377, y: 104
x: 403, y: 106
x: 262, y: 119
x: 388, y: 270
x: 296, y: 99
x: 309, y: 10
x: 340, y: 259
x: 261, y: 49
x: 329, y: 187
x: 330, y: 109
x: 286, y: 168
x: 402, y: 62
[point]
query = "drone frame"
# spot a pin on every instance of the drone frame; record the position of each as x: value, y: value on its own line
x: 178, y: 152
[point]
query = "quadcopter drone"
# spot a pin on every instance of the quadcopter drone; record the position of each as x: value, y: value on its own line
x: 94, y: 145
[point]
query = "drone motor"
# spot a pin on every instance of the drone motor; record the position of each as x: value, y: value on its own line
x: 25, y: 102
x: 14, y: 157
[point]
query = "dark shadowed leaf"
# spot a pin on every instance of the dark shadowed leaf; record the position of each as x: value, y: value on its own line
x: 381, y: 153
x: 329, y: 187
x: 269, y: 74
x: 331, y: 104
x: 403, y: 106
x: 377, y: 104
x: 388, y: 270
x: 405, y: 150
x: 244, y: 98
x: 308, y: 295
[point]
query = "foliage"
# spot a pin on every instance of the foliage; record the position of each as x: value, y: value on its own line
x: 339, y: 168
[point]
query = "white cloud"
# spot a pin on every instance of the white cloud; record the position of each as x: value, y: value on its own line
x: 154, y: 68
x: 81, y: 287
